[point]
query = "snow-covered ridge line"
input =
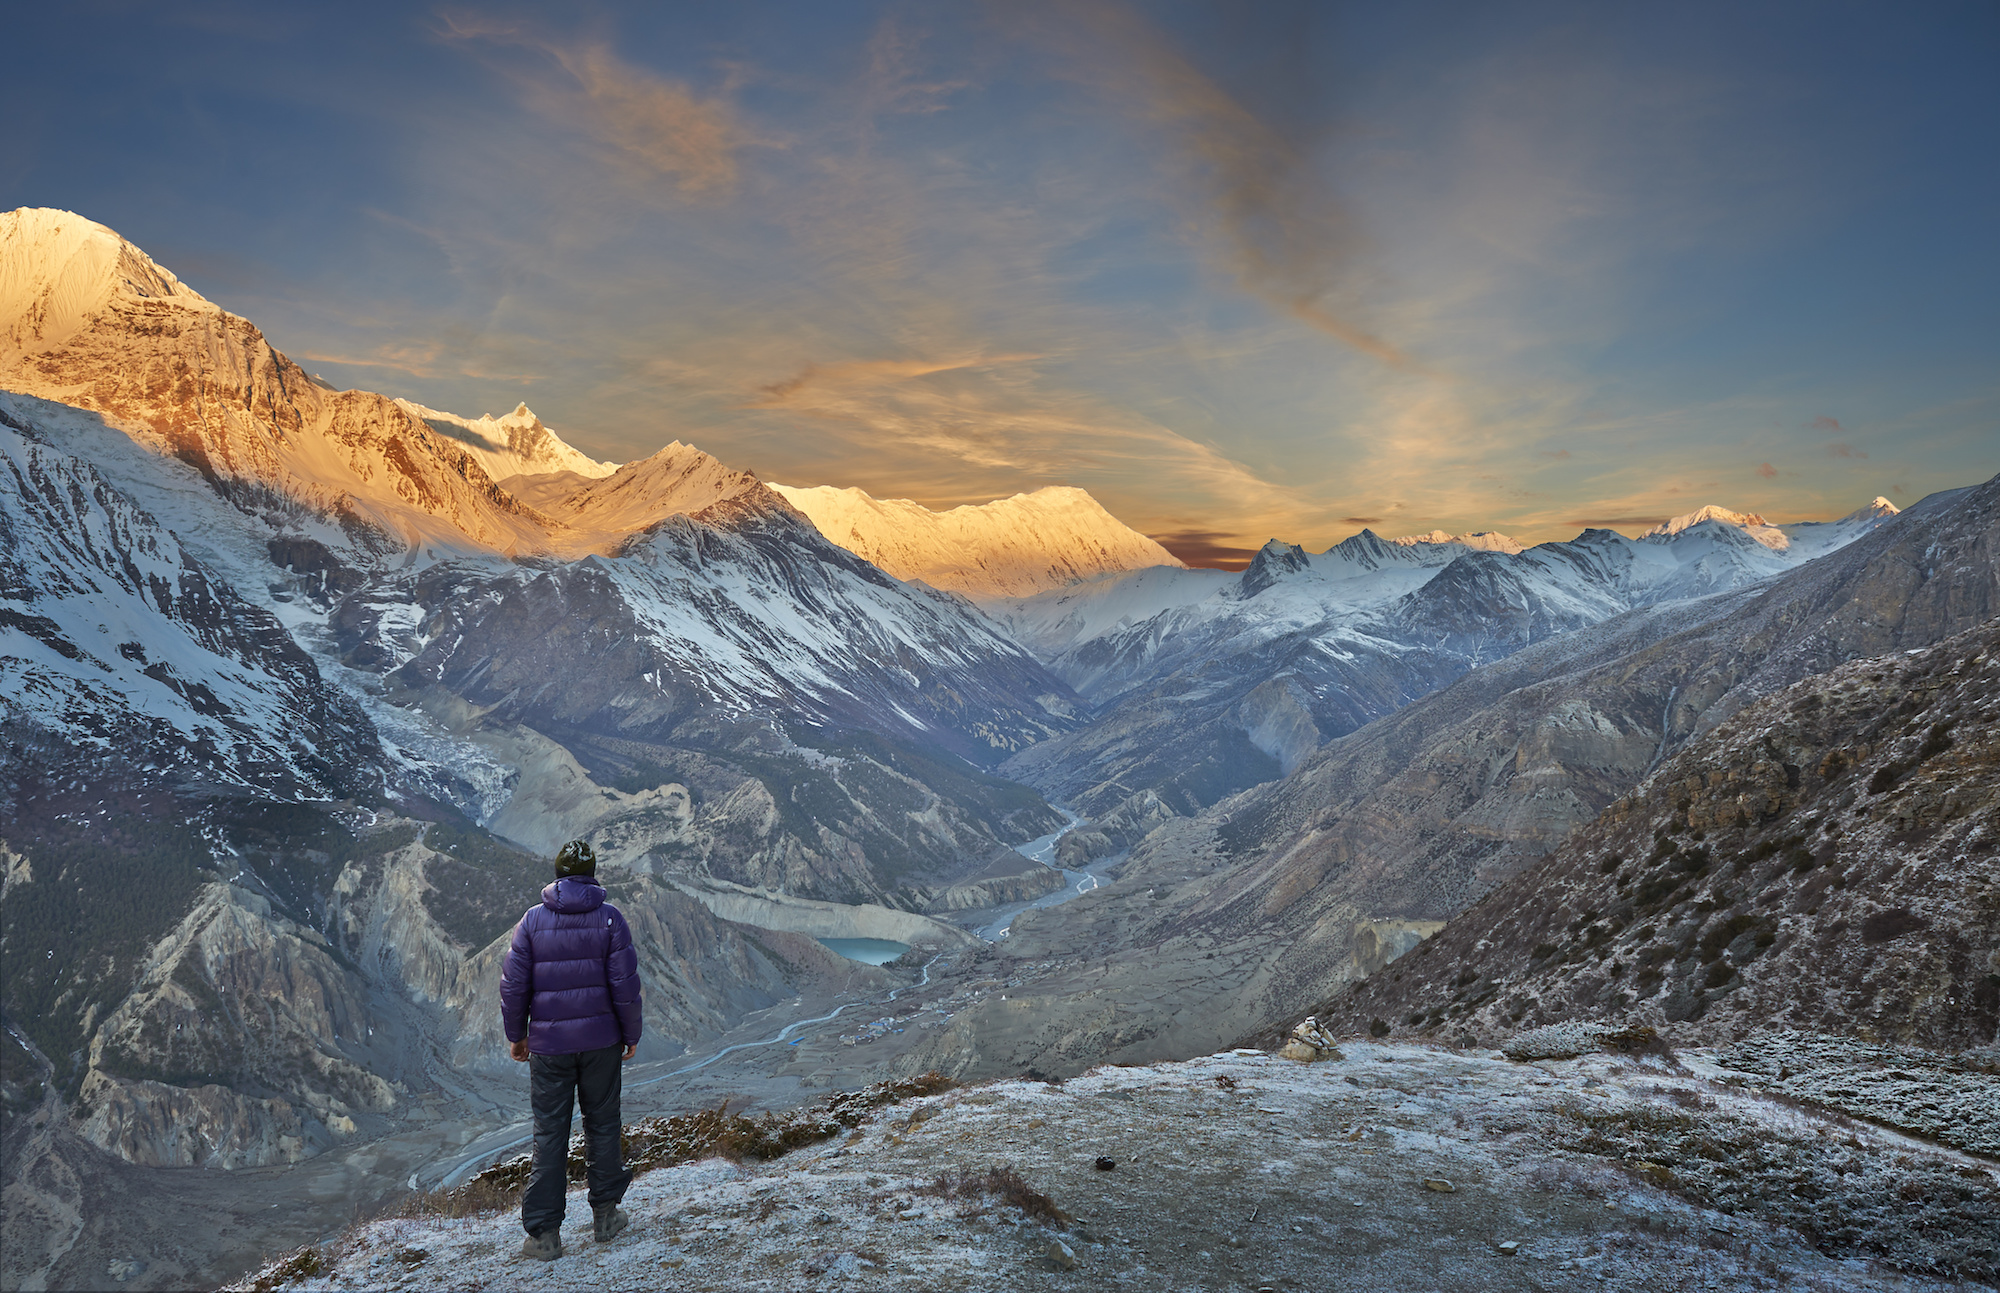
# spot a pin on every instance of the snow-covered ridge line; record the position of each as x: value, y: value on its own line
x: 1011, y: 547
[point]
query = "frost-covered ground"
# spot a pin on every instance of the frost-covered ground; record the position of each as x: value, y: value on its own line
x: 1245, y: 1171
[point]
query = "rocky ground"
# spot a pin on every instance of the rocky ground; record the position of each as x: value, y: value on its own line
x: 1391, y: 1166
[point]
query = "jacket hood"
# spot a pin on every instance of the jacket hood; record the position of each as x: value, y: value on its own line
x: 573, y: 894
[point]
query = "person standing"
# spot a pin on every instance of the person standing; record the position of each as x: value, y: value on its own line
x: 570, y: 1004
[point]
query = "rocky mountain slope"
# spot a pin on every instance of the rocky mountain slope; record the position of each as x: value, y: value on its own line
x: 1202, y: 688
x: 1011, y: 547
x: 118, y: 643
x: 1825, y: 860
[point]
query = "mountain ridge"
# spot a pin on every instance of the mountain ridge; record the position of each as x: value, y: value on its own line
x: 1047, y: 538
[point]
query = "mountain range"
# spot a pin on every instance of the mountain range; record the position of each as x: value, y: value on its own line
x: 1273, y: 900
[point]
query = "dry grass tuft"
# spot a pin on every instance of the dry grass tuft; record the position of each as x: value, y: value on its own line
x: 301, y: 1265
x: 1004, y: 1185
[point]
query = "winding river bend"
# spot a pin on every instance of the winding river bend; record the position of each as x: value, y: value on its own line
x: 993, y: 927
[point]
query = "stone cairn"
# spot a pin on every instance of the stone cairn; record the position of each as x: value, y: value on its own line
x: 1310, y: 1041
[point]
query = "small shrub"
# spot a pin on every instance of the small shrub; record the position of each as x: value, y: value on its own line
x: 1378, y: 1027
x: 301, y: 1265
x: 1891, y: 922
x: 1005, y: 1185
x: 1937, y: 742
x: 1543, y: 951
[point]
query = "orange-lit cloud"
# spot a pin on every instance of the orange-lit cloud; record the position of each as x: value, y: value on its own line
x: 869, y: 371
x: 1209, y: 548
x: 1767, y: 471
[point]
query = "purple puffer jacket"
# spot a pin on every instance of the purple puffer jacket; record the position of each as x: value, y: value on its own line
x: 571, y: 970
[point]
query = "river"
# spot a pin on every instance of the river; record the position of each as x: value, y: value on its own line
x: 993, y: 925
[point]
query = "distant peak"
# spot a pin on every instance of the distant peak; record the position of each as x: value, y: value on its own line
x: 1016, y: 546
x: 1742, y: 520
x: 1481, y: 540
x: 514, y: 444
x: 1875, y: 507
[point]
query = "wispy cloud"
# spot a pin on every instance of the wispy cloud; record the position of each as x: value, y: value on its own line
x: 1615, y: 522
x: 649, y: 126
x: 1283, y: 234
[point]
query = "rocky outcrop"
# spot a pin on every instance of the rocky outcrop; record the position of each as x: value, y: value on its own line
x: 157, y: 1125
x: 1115, y: 831
x: 1008, y: 877
x: 236, y: 996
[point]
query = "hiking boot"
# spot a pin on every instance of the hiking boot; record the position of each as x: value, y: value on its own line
x: 608, y: 1223
x: 545, y: 1247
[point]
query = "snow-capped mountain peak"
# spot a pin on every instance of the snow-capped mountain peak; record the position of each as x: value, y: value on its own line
x: 1480, y: 540
x: 1011, y: 547
x: 57, y: 270
x: 1749, y: 522
x: 513, y: 444
x: 679, y: 480
x: 1876, y: 509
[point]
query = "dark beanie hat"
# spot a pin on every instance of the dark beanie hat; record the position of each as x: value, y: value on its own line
x: 576, y: 858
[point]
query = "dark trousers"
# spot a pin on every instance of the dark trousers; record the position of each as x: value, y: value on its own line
x: 592, y: 1079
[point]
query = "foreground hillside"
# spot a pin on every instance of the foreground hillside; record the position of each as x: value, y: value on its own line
x: 1391, y: 1167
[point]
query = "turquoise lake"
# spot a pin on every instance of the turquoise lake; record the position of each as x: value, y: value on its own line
x: 874, y: 951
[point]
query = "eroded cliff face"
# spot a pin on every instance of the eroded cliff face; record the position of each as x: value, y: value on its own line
x: 236, y: 1000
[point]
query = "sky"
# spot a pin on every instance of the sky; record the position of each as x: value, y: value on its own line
x: 1243, y: 271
